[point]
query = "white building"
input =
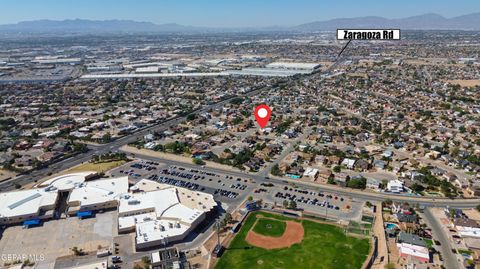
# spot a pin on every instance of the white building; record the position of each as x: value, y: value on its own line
x: 311, y: 173
x: 395, y: 186
x: 19, y: 206
x: 293, y: 66
x: 469, y: 232
x: 349, y: 163
x: 160, y: 213
x: 420, y: 253
x: 157, y: 213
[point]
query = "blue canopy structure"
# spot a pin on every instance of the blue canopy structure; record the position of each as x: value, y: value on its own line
x: 32, y: 222
x: 84, y: 214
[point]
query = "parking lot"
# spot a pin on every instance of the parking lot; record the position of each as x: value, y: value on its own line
x: 317, y: 202
x: 231, y: 190
x: 225, y: 188
x: 312, y: 198
x: 56, y: 238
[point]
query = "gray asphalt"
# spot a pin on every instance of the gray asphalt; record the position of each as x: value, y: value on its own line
x: 449, y: 259
x: 363, y: 195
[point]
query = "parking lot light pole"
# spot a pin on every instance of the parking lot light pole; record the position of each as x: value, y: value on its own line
x: 217, y: 226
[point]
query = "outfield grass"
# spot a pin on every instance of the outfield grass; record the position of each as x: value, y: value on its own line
x: 324, y: 246
x: 270, y: 227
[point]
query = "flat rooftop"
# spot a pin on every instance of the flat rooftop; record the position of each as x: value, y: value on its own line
x: 26, y: 202
x: 99, y: 191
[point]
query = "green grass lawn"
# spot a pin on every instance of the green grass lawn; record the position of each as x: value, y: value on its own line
x: 324, y: 246
x: 270, y: 227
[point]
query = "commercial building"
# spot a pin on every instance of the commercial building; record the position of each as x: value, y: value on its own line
x: 165, y: 258
x: 161, y: 214
x: 20, y: 206
x: 66, y: 194
x: 157, y: 213
x: 294, y: 66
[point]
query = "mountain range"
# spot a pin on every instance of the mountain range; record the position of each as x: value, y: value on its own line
x: 422, y: 22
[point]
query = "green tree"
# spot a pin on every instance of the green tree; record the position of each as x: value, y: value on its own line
x: 146, y: 260
x: 337, y: 169
x: 106, y: 138
x: 357, y: 183
x: 417, y: 187
x: 276, y: 170
x: 293, y: 204
x: 191, y: 117
x: 198, y: 161
x: 78, y: 251
x: 259, y: 203
x: 228, y: 217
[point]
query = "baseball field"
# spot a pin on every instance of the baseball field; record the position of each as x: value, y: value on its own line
x: 269, y: 241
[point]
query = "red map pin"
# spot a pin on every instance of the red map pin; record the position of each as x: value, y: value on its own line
x: 262, y: 115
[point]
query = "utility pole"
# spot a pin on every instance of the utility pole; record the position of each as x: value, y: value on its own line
x: 326, y: 211
x: 217, y: 225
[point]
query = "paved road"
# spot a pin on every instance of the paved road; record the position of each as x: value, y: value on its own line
x: 450, y: 259
x: 112, y: 146
x: 258, y: 177
x: 359, y: 194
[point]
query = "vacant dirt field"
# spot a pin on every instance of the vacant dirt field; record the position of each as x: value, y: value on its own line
x: 293, y: 234
x: 465, y: 82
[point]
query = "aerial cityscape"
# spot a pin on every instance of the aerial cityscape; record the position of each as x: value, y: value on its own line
x: 129, y: 139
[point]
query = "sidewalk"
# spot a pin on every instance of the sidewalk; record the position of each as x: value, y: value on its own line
x: 379, y: 232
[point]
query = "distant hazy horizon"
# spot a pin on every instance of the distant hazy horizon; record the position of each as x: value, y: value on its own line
x: 215, y: 13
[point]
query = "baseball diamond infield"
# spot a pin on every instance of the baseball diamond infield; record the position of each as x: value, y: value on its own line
x: 293, y: 234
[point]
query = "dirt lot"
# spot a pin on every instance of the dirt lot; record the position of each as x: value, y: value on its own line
x: 4, y: 175
x: 293, y: 234
x: 97, y: 167
x: 56, y: 238
x: 465, y: 82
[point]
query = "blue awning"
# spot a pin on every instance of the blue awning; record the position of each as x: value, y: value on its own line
x: 31, y: 222
x: 84, y: 214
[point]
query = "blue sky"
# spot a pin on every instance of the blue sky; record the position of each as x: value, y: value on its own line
x: 227, y: 13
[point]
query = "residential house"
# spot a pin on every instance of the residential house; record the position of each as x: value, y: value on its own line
x: 395, y: 186
x: 373, y: 183
x: 349, y: 163
x: 362, y: 165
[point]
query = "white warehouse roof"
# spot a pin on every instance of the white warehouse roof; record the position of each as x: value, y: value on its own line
x: 161, y: 213
x: 99, y: 191
x: 26, y: 202
x: 290, y: 65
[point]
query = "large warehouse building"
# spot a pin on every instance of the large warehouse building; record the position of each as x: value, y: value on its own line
x: 160, y: 213
x: 157, y: 213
